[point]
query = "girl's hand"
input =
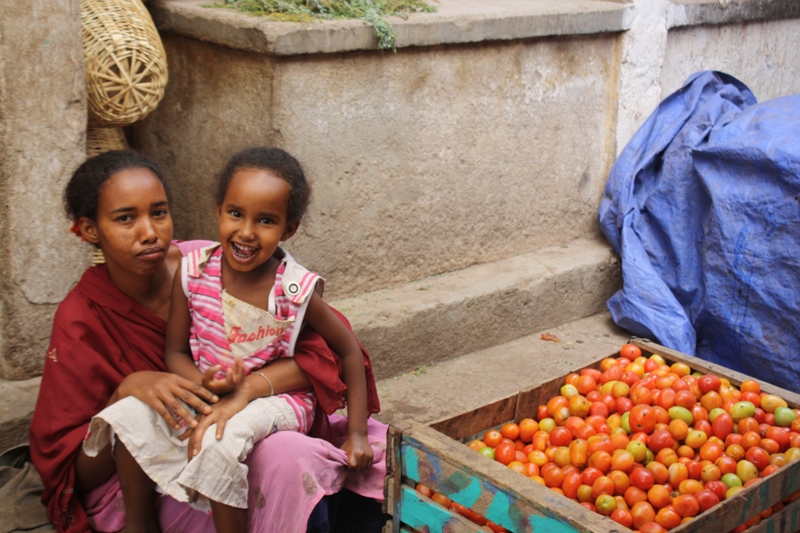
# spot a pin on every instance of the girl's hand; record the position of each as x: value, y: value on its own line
x: 220, y: 413
x: 359, y: 453
x: 232, y: 381
x: 164, y: 392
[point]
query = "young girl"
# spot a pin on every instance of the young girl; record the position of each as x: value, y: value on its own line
x: 236, y: 306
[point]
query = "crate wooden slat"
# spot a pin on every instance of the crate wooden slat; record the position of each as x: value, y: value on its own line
x: 436, y: 456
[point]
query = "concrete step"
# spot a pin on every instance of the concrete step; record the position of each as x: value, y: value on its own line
x: 438, y: 318
x: 442, y: 390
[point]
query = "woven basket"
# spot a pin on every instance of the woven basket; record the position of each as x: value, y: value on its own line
x: 126, y: 66
x: 99, y: 140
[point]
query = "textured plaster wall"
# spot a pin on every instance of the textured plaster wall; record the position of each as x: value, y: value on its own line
x: 42, y: 125
x: 422, y: 162
x: 765, y: 56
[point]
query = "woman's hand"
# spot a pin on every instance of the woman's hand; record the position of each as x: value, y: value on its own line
x: 234, y: 377
x: 164, y: 392
x: 359, y: 452
x: 219, y: 414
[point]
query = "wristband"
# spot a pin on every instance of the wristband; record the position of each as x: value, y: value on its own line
x: 271, y: 388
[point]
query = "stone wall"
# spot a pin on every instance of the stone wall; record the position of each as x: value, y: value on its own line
x: 42, y: 131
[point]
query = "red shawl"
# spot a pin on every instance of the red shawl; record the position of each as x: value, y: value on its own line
x: 100, y: 336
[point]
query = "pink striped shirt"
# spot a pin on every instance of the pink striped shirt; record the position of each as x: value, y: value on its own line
x: 212, y: 344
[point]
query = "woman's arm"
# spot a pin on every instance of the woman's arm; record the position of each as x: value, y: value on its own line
x: 341, y: 340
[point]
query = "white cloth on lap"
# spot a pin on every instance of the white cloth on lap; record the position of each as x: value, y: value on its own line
x: 217, y: 472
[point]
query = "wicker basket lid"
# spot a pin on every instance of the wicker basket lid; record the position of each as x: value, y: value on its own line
x: 126, y: 66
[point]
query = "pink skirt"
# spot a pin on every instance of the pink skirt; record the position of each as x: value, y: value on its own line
x: 289, y: 474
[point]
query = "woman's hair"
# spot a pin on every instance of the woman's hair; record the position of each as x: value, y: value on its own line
x: 83, y: 190
x: 276, y: 161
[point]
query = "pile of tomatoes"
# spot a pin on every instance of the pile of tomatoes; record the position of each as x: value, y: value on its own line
x: 648, y: 444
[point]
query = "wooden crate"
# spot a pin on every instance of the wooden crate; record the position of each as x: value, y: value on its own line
x: 436, y: 456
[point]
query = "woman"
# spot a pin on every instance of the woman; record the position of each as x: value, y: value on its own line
x: 107, y: 343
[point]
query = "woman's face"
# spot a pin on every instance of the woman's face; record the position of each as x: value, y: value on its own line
x: 133, y: 226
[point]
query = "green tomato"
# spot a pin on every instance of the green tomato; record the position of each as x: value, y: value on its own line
x: 625, y: 422
x: 732, y: 491
x: 741, y: 410
x: 784, y: 417
x: 682, y: 413
x: 732, y: 480
x: 487, y: 452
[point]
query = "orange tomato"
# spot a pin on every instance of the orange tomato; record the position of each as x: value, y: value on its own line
x: 492, y: 438
x: 642, y: 513
x: 686, y: 505
x: 510, y: 430
x: 658, y: 496
x: 750, y: 385
x: 668, y: 518
x: 505, y: 453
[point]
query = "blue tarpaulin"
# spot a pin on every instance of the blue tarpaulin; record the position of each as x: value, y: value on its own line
x: 703, y: 207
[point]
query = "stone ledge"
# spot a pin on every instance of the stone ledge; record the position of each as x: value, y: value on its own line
x: 452, y: 314
x: 456, y: 21
x: 698, y: 12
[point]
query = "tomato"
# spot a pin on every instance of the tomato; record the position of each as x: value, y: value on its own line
x: 589, y: 475
x: 660, y: 471
x: 622, y: 517
x: 659, y: 440
x: 770, y: 402
x: 668, y: 518
x: 492, y: 438
x: 642, y: 513
x: 441, y: 499
x: 690, y: 486
x: 677, y: 473
x: 695, y: 439
x: 623, y: 404
x: 634, y: 494
x: 706, y: 500
x: 726, y: 465
x: 600, y: 460
x: 602, y: 485
x: 487, y: 452
x: 685, y: 398
x: 424, y: 490
x: 527, y: 428
x: 541, y: 413
x: 620, y: 480
x: 722, y: 426
x: 779, y: 435
x: 658, y: 496
x: 505, y: 453
x: 553, y: 477
x: 630, y: 351
x: 710, y: 451
x: 746, y: 470
x: 686, y: 505
x: 571, y: 484
x: 560, y: 436
x: 750, y: 439
x: 709, y: 383
x: 642, y: 478
x: 758, y: 456
x: 642, y: 418
x: 510, y: 430
x: 605, y: 504
x: 586, y: 384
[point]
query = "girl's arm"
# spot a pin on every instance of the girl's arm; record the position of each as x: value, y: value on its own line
x: 327, y: 324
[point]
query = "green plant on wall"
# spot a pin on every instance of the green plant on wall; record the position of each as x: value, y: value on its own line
x: 370, y: 11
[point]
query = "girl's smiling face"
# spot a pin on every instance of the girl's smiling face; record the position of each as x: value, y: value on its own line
x: 133, y: 226
x: 252, y: 218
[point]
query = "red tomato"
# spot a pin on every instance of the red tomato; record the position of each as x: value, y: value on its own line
x: 505, y: 452
x: 718, y: 488
x: 630, y: 351
x: 709, y: 383
x: 660, y: 440
x: 722, y: 426
x: 706, y: 499
x: 686, y: 505
x: 622, y: 517
x: 642, y: 418
x: 560, y: 436
x: 642, y: 478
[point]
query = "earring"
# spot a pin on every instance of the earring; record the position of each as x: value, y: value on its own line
x: 97, y: 256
